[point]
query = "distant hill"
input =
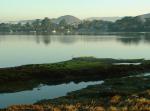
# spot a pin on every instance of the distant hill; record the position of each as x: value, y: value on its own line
x: 143, y: 17
x: 74, y: 20
x: 68, y: 18
x: 111, y: 19
x: 21, y: 21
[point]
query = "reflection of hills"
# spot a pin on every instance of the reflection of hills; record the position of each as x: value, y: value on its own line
x: 71, y: 39
x: 79, y: 38
x: 44, y: 39
x: 134, y: 39
x: 61, y: 39
x: 129, y: 41
x: 65, y: 39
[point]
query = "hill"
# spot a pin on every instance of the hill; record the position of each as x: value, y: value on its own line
x: 68, y: 18
x: 111, y: 19
x: 143, y: 17
x: 21, y: 21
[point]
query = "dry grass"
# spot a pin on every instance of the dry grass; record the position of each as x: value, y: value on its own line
x: 139, y: 104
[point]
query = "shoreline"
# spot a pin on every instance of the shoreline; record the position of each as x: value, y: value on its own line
x: 118, y: 94
x: 100, y: 33
x: 81, y: 68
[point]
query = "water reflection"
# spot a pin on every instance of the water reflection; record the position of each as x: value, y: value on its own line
x: 36, y: 49
x: 134, y: 40
x: 41, y: 92
x: 46, y: 39
x: 70, y: 39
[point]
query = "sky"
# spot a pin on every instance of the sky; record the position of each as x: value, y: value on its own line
x: 11, y: 10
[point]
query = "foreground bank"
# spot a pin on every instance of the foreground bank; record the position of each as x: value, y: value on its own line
x: 120, y: 84
x: 121, y: 94
x: 77, y: 69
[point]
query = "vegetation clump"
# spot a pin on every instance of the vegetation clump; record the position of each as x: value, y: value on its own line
x: 75, y: 69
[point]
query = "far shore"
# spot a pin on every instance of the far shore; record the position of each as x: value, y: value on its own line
x: 76, y: 33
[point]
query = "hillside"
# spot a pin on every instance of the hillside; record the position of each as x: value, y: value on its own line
x: 111, y: 19
x: 21, y: 21
x: 68, y: 18
x: 143, y: 17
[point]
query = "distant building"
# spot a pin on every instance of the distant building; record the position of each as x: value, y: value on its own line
x: 54, y: 31
x: 68, y: 31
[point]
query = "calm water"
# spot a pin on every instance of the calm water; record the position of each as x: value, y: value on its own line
x: 31, y: 49
x: 40, y: 93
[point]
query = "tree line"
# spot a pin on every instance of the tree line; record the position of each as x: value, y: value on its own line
x: 126, y: 24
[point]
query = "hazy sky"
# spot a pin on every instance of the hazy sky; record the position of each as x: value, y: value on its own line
x: 32, y: 9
